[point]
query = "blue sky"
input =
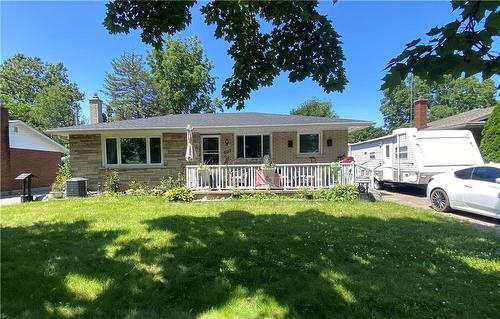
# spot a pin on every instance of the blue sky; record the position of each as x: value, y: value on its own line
x: 372, y: 34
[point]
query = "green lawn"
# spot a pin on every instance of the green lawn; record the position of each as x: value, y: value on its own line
x: 132, y: 257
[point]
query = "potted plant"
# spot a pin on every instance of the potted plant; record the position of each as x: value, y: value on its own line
x: 56, y: 191
x: 335, y: 167
x: 204, y: 174
x: 268, y: 170
x: 59, y: 186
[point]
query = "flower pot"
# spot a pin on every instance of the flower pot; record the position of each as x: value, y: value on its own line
x: 56, y: 194
x: 205, y: 177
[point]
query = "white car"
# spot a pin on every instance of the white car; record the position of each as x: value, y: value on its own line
x: 475, y: 189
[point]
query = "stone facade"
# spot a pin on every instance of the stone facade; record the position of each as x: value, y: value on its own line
x: 86, y: 155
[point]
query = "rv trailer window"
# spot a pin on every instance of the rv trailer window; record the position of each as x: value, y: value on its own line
x: 387, y: 151
x: 372, y: 155
x: 403, y: 152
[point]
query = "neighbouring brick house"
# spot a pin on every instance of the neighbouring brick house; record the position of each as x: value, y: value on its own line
x: 145, y: 150
x: 24, y: 149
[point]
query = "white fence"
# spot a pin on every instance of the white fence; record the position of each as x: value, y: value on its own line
x: 282, y: 176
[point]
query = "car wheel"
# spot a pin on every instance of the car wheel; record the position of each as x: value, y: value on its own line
x: 378, y: 184
x: 439, y: 200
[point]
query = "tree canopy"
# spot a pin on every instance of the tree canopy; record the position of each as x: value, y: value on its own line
x: 445, y: 98
x: 266, y: 38
x: 130, y: 89
x: 365, y: 134
x: 183, y: 77
x: 461, y: 47
x: 490, y: 141
x: 39, y: 93
x: 315, y: 107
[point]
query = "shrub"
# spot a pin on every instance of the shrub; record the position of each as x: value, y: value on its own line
x: 179, y: 194
x: 490, y: 142
x: 135, y: 188
x: 339, y: 193
x: 260, y: 195
x: 168, y: 183
x: 112, y: 182
x: 236, y: 194
x: 63, y: 174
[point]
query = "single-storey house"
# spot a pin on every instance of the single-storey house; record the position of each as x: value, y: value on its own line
x: 147, y: 149
x: 26, y: 150
x: 472, y: 120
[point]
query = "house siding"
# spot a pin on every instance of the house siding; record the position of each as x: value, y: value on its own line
x: 86, y: 155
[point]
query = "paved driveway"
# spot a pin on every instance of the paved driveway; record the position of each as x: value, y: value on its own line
x: 14, y: 199
x: 416, y: 197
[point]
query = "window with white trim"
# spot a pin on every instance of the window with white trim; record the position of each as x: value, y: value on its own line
x: 133, y: 151
x: 253, y: 146
x: 309, y: 143
x: 402, y: 152
x: 372, y: 155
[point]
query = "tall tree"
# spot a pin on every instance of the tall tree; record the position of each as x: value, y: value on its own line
x: 39, y: 93
x: 130, y: 89
x: 490, y: 141
x: 315, y: 107
x: 462, y: 47
x: 182, y: 73
x: 448, y: 97
x: 365, y: 134
x: 301, y: 41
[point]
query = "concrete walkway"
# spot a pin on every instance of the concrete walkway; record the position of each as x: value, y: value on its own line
x: 14, y: 199
x: 416, y: 197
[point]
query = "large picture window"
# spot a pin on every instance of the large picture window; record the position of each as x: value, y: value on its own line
x: 253, y: 146
x: 133, y: 151
x: 309, y: 143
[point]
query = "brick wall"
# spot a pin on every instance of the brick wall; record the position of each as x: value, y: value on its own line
x: 42, y: 164
x: 5, y: 177
x: 86, y: 155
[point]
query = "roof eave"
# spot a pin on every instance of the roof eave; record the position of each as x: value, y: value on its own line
x: 344, y: 125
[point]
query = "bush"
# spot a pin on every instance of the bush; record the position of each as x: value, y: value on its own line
x: 339, y: 193
x: 490, y: 142
x: 182, y: 194
x: 167, y: 183
x: 135, y: 188
x: 63, y: 174
x: 260, y: 195
x: 112, y: 182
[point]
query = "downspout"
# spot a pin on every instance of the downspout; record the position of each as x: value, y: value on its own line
x: 399, y: 158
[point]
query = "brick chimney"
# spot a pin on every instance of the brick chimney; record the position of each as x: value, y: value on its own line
x: 5, y: 178
x: 420, y: 113
x: 95, y: 105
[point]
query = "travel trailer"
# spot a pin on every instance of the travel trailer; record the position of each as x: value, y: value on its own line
x: 410, y: 156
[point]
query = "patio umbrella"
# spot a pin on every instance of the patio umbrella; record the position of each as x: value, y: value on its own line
x: 190, y: 152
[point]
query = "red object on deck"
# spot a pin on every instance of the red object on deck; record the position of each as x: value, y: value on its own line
x: 347, y: 159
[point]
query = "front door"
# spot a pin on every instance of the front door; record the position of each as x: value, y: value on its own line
x: 210, y: 151
x: 387, y: 162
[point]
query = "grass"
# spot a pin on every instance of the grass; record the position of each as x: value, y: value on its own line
x: 132, y: 257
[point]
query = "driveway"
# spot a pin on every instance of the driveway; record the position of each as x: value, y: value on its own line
x: 416, y: 197
x: 13, y: 199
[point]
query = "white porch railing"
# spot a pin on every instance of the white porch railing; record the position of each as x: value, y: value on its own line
x: 284, y: 176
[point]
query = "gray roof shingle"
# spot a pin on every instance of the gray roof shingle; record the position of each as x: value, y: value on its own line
x: 210, y: 120
x: 461, y: 119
